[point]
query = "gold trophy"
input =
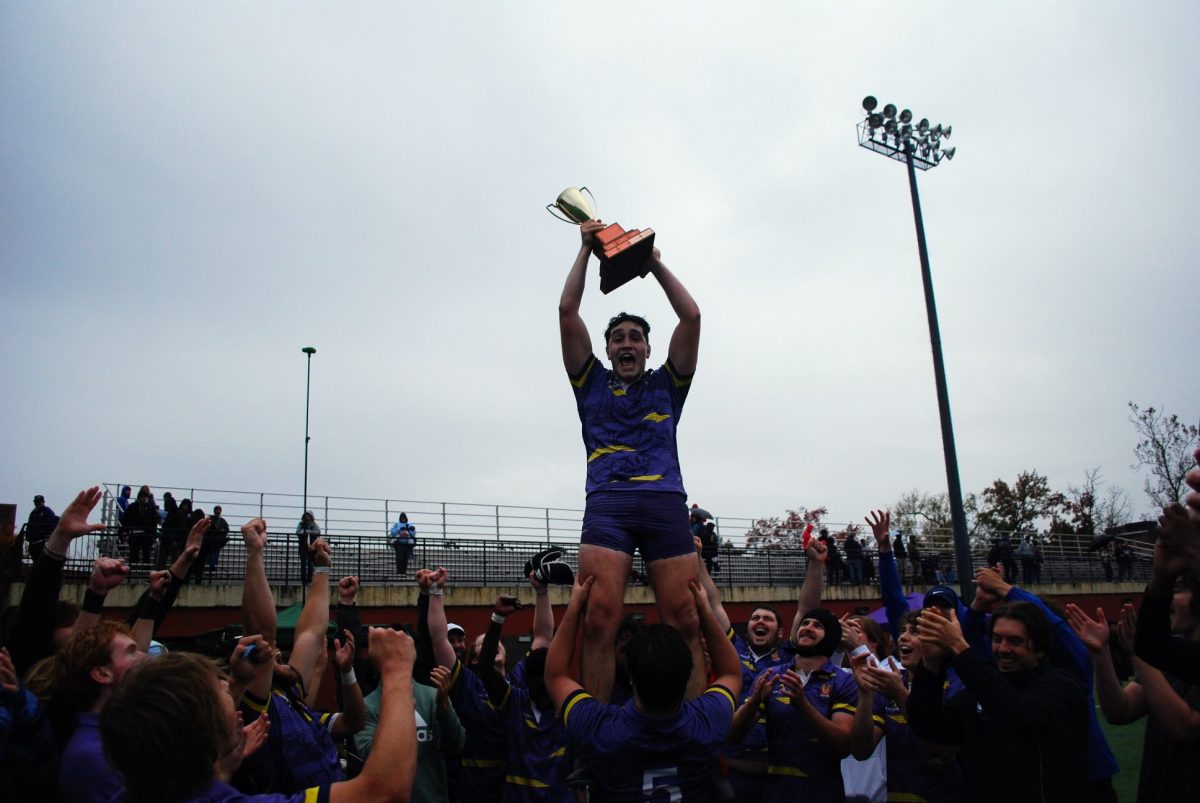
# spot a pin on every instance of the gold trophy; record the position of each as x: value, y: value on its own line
x: 623, y: 254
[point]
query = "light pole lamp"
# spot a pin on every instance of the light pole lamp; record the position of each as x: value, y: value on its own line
x: 893, y: 134
x: 309, y: 351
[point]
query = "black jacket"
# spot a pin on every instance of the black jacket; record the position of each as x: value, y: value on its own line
x: 1024, y: 735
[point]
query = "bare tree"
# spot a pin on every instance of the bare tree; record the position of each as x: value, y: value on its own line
x: 1166, y: 449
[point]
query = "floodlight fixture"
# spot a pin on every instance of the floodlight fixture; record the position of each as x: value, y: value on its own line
x: 949, y: 153
x: 869, y: 103
x: 906, y: 116
x: 923, y: 126
x: 875, y: 120
x: 946, y: 133
x: 889, y: 111
x: 937, y: 130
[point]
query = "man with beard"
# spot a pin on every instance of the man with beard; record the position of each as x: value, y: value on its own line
x: 1022, y: 722
x: 302, y: 742
x: 759, y: 650
x: 809, y: 708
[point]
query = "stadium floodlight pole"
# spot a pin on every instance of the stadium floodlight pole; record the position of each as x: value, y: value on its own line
x: 308, y: 350
x: 919, y: 146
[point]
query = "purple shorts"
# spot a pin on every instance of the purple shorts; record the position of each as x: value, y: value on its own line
x: 654, y: 522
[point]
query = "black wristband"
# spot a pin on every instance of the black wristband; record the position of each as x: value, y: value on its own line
x: 93, y: 602
x: 150, y: 608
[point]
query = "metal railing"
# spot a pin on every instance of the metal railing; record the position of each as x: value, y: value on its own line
x: 484, y: 544
x: 479, y: 562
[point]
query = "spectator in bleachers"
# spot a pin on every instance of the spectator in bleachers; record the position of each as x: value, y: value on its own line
x: 140, y: 527
x: 307, y: 532
x: 39, y: 526
x: 854, y: 558
x: 214, y: 541
x: 403, y: 539
x: 123, y: 501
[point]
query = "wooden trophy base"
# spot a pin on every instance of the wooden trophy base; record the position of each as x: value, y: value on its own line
x: 624, y: 255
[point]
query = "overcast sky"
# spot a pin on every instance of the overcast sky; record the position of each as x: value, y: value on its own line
x: 190, y: 193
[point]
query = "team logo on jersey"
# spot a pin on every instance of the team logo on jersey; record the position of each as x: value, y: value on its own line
x: 827, y: 689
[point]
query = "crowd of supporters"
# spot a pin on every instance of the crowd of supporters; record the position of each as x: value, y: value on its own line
x: 994, y: 698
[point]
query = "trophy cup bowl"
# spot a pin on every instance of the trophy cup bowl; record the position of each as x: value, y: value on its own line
x: 623, y: 254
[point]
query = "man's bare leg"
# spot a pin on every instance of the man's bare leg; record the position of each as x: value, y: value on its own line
x: 605, y: 604
x: 670, y: 578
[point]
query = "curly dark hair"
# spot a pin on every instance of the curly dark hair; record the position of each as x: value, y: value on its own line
x: 620, y: 318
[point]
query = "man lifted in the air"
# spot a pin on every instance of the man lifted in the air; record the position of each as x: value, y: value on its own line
x: 635, y: 494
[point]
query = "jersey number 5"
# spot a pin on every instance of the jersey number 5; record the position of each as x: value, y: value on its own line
x: 663, y: 780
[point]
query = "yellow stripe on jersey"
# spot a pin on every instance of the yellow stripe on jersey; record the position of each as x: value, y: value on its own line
x: 778, y: 769
x: 580, y: 380
x: 647, y: 478
x: 603, y: 450
x: 899, y: 719
x: 724, y: 691
x: 618, y: 391
x: 657, y: 418
x: 531, y: 782
x: 559, y: 753
x: 675, y: 379
x: 570, y: 705
x: 484, y: 762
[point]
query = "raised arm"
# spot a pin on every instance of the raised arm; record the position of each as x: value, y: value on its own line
x: 543, y: 615
x: 711, y: 591
x: 561, y: 682
x: 258, y: 604
x: 107, y: 574
x: 576, y: 343
x: 493, y: 679
x: 433, y: 584
x: 30, y: 639
x: 891, y: 589
x: 1119, y: 705
x: 865, y: 732
x: 389, y: 771
x: 725, y: 663
x: 147, y: 613
x: 685, y: 340
x: 354, y: 711
x: 309, y: 641
x: 809, y: 596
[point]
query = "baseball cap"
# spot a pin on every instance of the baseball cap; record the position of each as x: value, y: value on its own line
x: 941, y: 597
x: 451, y: 627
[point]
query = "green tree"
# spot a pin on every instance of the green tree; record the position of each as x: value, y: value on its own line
x: 1166, y: 448
x: 1018, y: 507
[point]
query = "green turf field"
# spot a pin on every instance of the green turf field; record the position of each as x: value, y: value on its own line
x: 1126, y: 743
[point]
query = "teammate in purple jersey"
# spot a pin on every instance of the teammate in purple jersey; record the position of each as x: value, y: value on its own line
x: 656, y: 746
